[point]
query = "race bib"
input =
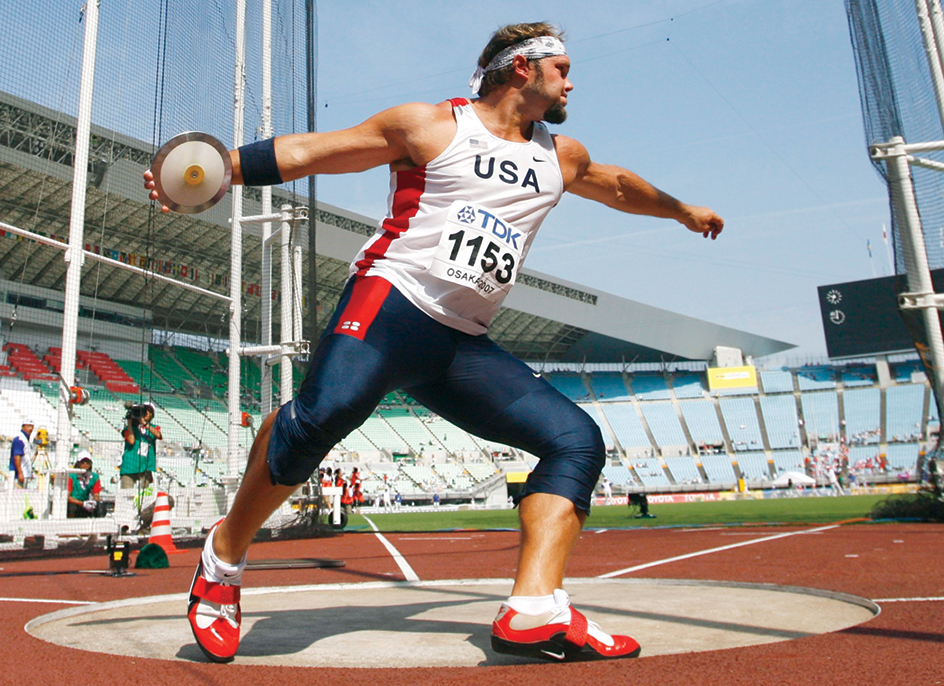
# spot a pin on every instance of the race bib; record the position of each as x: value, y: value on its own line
x: 143, y: 448
x: 478, y: 250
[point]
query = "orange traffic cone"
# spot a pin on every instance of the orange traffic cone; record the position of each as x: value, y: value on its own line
x: 160, y: 525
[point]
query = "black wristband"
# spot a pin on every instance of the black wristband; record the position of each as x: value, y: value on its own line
x: 258, y: 165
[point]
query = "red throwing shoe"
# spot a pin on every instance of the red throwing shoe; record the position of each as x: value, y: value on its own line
x: 213, y: 611
x: 563, y: 634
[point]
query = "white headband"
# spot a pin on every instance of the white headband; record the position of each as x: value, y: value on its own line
x: 533, y: 49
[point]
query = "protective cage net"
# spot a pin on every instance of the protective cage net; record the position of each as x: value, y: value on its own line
x: 898, y: 99
x: 161, y: 68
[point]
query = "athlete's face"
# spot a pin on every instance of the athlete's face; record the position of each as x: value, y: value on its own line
x: 551, y: 82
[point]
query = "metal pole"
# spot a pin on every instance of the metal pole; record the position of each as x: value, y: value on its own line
x: 73, y: 256
x: 297, y: 290
x: 916, y: 256
x: 266, y: 381
x: 311, y: 63
x: 236, y: 260
x: 931, y: 51
x: 285, y: 362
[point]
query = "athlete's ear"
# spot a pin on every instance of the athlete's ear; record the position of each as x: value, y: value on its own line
x: 522, y: 66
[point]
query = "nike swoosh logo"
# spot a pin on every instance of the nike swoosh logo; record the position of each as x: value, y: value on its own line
x: 536, y: 376
x: 556, y: 656
x: 538, y: 159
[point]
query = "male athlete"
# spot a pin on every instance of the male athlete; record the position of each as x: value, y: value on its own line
x: 471, y: 183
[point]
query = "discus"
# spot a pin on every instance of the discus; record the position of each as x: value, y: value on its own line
x: 192, y: 172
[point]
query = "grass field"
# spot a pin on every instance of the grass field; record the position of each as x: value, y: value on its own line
x: 782, y: 510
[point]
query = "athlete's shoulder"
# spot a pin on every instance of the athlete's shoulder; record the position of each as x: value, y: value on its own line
x: 417, y: 114
x: 572, y: 156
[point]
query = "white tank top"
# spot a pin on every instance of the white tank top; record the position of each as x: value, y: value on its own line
x: 459, y: 227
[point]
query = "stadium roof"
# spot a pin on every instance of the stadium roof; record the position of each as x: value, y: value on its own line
x: 544, y: 318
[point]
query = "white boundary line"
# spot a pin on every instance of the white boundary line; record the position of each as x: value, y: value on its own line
x: 647, y: 565
x: 908, y: 600
x: 404, y: 566
x: 46, y: 600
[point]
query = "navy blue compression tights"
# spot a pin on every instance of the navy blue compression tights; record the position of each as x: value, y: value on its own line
x: 378, y: 341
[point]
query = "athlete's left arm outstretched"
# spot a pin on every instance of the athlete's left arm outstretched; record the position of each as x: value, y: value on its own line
x: 623, y: 190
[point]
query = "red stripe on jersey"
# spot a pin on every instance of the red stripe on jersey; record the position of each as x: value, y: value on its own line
x: 406, y: 203
x: 458, y: 102
x: 367, y: 296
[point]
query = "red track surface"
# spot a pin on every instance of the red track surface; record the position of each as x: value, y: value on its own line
x: 904, y: 645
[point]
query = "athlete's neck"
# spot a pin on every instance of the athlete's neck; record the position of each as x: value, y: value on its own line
x: 505, y: 118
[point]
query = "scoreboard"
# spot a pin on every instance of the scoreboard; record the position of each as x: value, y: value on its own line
x: 861, y: 318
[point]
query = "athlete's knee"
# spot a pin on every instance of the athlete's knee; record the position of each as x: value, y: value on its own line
x: 303, y: 434
x: 585, y: 440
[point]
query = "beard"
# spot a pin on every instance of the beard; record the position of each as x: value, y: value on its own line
x: 557, y: 114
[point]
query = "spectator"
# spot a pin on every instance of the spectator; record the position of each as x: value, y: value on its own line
x: 85, y: 490
x: 21, y: 455
x: 140, y: 457
x: 358, y: 498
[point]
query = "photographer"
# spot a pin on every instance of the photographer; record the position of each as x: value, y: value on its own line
x: 85, y: 491
x: 140, y: 457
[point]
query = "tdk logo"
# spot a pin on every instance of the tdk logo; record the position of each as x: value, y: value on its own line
x: 489, y: 222
x: 508, y: 173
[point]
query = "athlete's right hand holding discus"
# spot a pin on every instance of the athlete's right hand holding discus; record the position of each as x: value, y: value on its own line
x: 471, y: 182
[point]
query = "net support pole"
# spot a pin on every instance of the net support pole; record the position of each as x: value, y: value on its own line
x: 932, y: 53
x: 916, y: 256
x: 266, y: 133
x: 285, y: 300
x: 236, y: 262
x: 74, y: 256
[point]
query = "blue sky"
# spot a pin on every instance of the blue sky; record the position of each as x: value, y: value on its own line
x: 748, y: 106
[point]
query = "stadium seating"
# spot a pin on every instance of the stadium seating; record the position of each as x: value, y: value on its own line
x: 740, y: 418
x: 650, y: 472
x: 144, y: 376
x: 858, y: 376
x: 570, y: 385
x: 816, y: 379
x: 168, y: 368
x: 619, y: 475
x: 106, y: 369
x: 357, y: 442
x: 821, y: 414
x: 650, y: 387
x: 788, y: 461
x: 902, y: 457
x: 863, y: 414
x: 781, y: 420
x: 30, y: 368
x: 684, y: 470
x: 776, y: 381
x: 20, y: 401
x: 904, y: 410
x: 754, y: 466
x: 380, y: 434
x: 609, y: 387
x: 664, y: 424
x: 718, y: 469
x: 689, y: 386
x: 702, y: 421
x: 409, y: 428
x: 627, y: 426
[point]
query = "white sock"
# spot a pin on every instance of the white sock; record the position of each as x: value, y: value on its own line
x: 539, y: 604
x: 216, y: 569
